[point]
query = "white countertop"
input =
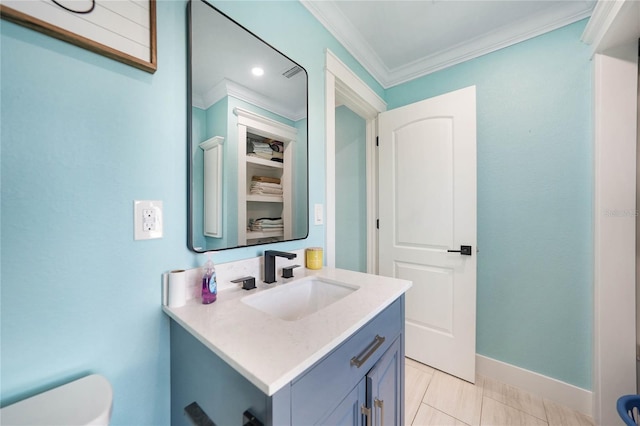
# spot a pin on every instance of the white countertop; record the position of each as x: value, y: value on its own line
x: 271, y: 352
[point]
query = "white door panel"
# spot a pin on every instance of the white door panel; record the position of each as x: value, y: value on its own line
x: 427, y: 205
x: 440, y: 287
x: 422, y: 182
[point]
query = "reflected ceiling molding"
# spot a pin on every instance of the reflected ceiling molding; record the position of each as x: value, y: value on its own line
x: 228, y: 87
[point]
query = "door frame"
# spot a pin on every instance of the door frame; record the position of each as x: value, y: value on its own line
x: 613, y: 32
x: 344, y: 87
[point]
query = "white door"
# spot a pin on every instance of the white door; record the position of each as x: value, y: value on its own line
x: 427, y: 205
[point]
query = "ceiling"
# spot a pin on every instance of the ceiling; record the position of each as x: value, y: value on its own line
x: 397, y: 41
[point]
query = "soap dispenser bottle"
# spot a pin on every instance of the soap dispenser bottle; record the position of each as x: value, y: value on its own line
x: 209, y: 283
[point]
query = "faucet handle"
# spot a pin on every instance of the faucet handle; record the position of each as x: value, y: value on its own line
x: 248, y: 283
x: 287, y: 271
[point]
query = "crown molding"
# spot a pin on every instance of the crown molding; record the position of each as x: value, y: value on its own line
x: 230, y: 88
x: 603, y: 15
x: 212, y: 143
x: 612, y: 25
x: 339, y: 26
x: 197, y: 101
x: 516, y: 32
x: 272, y: 127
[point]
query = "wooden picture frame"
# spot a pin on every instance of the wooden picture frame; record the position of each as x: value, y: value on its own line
x: 118, y: 30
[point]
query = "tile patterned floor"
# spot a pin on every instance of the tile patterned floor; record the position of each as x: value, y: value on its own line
x: 434, y: 398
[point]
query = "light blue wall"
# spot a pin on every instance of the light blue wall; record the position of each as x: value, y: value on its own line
x: 351, y: 191
x: 82, y: 137
x: 535, y: 182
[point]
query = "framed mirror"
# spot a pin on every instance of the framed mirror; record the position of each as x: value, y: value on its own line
x: 247, y: 137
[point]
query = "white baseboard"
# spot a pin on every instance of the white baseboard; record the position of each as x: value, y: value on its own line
x: 559, y: 392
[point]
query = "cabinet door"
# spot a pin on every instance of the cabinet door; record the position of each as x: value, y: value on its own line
x: 320, y: 389
x: 349, y: 411
x: 384, y: 383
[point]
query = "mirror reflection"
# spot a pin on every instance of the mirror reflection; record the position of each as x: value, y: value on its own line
x: 247, y: 138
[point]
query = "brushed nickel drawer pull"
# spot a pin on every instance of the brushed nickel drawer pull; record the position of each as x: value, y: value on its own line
x: 368, y: 351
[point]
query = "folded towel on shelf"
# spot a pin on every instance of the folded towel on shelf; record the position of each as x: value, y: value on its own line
x: 266, y: 224
x: 265, y: 188
x: 266, y: 185
x: 269, y: 221
x: 266, y: 227
x: 265, y: 179
x: 269, y: 150
x: 261, y: 147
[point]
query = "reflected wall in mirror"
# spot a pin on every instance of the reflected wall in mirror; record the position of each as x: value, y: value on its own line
x: 247, y: 139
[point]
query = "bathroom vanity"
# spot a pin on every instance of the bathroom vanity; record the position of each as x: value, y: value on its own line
x: 338, y: 359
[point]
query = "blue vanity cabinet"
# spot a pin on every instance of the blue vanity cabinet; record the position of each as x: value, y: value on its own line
x: 376, y: 399
x: 349, y: 411
x: 323, y: 387
x: 384, y: 388
x: 363, y: 374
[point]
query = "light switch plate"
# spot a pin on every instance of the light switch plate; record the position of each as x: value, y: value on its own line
x: 318, y: 216
x: 147, y: 220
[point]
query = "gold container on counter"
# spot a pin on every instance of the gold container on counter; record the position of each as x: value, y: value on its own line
x: 314, y: 257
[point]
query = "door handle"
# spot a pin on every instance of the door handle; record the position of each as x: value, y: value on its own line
x: 464, y: 251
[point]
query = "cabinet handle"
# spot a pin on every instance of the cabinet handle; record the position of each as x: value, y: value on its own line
x: 368, y: 351
x: 380, y: 403
x: 367, y: 413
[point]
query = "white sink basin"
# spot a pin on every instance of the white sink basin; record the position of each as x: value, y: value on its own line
x: 299, y: 298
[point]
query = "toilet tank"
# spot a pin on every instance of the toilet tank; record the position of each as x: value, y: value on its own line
x: 86, y: 401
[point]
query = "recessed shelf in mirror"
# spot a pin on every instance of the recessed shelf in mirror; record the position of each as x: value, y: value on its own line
x: 263, y: 162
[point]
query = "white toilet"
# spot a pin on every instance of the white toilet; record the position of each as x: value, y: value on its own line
x: 86, y: 401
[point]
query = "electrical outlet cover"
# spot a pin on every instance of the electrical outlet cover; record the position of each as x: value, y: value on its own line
x: 147, y: 220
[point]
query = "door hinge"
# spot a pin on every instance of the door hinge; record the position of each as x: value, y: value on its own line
x: 377, y: 141
x: 377, y: 223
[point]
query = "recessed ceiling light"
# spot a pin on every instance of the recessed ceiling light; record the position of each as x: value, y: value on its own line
x: 257, y: 71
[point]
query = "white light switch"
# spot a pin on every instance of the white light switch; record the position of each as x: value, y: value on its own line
x: 147, y: 220
x: 318, y: 216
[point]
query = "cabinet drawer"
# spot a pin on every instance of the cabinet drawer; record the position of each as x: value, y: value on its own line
x: 321, y: 388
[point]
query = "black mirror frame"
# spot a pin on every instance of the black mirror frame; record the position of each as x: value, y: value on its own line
x: 190, y: 225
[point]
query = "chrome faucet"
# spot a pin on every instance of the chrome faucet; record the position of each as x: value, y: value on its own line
x: 270, y: 263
